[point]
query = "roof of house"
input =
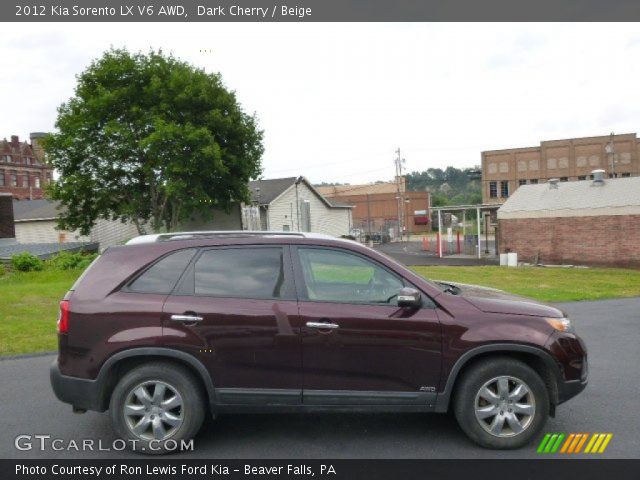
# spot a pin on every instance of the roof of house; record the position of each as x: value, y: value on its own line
x: 618, y: 196
x: 35, y: 210
x: 266, y: 191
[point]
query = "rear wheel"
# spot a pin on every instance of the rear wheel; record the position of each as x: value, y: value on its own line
x: 156, y: 406
x: 501, y: 403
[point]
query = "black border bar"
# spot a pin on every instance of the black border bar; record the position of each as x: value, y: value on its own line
x: 319, y: 10
x: 583, y: 469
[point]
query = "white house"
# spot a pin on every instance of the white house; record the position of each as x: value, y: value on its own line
x: 293, y: 204
x: 35, y: 223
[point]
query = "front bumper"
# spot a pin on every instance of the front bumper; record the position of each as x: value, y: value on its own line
x: 81, y: 393
x: 570, y: 353
x: 568, y: 390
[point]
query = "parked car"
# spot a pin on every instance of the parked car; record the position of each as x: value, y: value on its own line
x: 170, y: 327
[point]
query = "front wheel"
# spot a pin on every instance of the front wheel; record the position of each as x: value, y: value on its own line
x: 501, y: 403
x: 157, y: 406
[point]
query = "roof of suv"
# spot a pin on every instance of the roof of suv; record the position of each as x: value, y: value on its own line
x: 218, y: 234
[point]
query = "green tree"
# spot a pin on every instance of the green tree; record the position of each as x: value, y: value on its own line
x: 149, y: 138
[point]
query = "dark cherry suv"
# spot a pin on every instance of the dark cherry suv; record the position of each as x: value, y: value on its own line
x: 170, y: 326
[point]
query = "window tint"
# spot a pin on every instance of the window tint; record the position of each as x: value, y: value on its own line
x: 241, y: 272
x: 163, y: 275
x: 335, y: 276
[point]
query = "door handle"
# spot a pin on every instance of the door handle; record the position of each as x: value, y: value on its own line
x: 322, y: 325
x: 186, y: 318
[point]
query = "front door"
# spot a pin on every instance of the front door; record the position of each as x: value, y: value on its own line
x: 235, y: 309
x: 359, y: 347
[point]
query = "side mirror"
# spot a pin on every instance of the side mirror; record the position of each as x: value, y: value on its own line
x: 409, y: 298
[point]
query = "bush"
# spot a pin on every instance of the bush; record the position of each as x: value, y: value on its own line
x: 26, y: 262
x: 70, y: 261
x: 2, y: 270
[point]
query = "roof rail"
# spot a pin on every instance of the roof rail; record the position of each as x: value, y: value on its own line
x: 165, y: 237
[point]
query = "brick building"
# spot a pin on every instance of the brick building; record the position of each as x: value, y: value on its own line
x: 376, y: 206
x: 581, y: 223
x: 503, y: 171
x: 23, y: 171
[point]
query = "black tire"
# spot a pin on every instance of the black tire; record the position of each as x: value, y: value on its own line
x: 467, y: 394
x: 173, y: 377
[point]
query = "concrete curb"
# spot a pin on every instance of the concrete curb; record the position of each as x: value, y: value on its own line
x: 27, y: 355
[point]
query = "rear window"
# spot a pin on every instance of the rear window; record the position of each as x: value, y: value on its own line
x: 162, y: 276
x: 241, y: 272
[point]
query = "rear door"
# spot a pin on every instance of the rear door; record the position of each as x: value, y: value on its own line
x: 359, y: 347
x: 236, y: 310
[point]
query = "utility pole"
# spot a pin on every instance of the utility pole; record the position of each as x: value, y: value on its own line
x: 399, y: 161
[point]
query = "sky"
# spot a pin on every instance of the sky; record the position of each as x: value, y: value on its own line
x: 335, y: 101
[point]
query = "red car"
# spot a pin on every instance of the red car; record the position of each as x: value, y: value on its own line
x: 171, y: 326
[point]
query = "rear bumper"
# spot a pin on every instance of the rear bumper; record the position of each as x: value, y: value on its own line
x: 80, y: 392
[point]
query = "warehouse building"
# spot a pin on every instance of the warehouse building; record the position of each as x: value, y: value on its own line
x: 378, y: 207
x: 504, y: 171
x: 590, y: 222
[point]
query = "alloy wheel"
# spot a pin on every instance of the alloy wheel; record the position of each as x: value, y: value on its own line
x: 153, y: 410
x: 505, y: 406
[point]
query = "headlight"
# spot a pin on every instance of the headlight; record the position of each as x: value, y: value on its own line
x: 561, y: 324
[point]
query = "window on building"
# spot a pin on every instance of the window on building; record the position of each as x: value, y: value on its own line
x: 1, y: 178
x: 8, y: 158
x: 626, y: 174
x: 522, y: 181
x: 493, y: 189
x: 613, y: 175
x: 504, y: 189
x: 564, y: 179
x: 533, y: 181
x: 14, y: 179
x: 582, y: 177
x: 25, y: 180
x: 36, y: 181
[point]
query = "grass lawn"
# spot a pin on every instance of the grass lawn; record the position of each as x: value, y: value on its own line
x: 546, y: 284
x: 29, y: 309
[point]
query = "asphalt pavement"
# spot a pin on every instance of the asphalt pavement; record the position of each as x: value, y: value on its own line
x: 610, y: 328
x: 411, y: 253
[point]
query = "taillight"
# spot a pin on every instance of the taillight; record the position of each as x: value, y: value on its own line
x: 63, y: 317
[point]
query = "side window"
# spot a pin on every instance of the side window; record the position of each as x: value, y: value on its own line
x: 162, y: 276
x: 241, y: 272
x: 334, y: 276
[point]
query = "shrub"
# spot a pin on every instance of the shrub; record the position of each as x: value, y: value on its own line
x: 3, y: 270
x: 70, y: 261
x: 26, y: 262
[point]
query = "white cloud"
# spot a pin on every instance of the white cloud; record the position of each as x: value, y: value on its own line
x: 336, y: 100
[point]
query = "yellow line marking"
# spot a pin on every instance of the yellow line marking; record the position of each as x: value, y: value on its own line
x: 598, y: 442
x: 567, y: 442
x: 605, y: 443
x: 591, y: 442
